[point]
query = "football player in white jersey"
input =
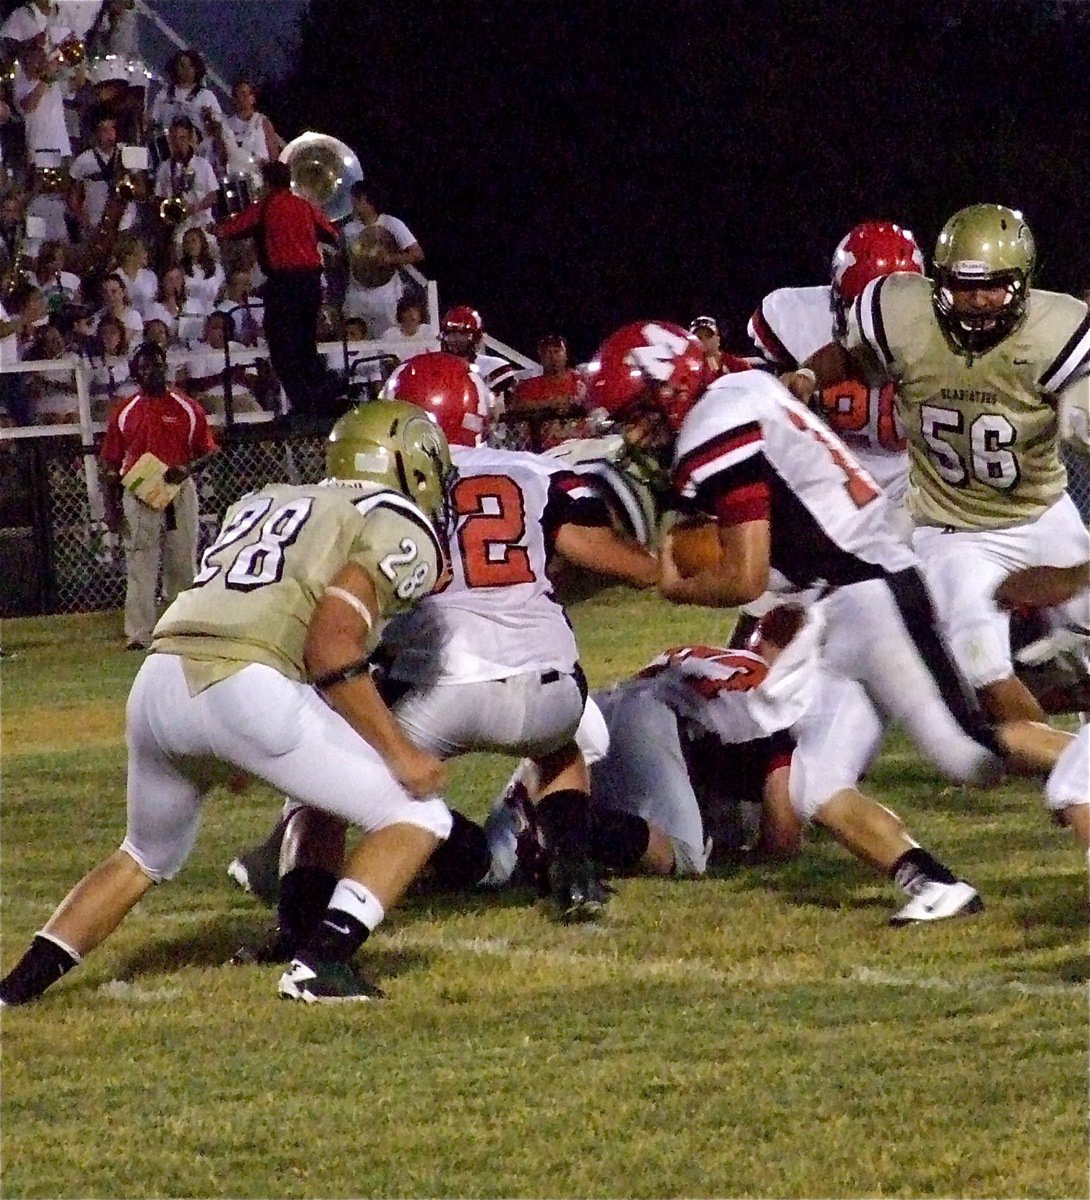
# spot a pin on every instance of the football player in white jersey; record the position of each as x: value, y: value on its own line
x: 491, y: 663
x: 787, y: 493
x: 698, y: 758
x: 990, y: 373
x: 262, y: 665
x: 461, y: 332
x: 792, y: 323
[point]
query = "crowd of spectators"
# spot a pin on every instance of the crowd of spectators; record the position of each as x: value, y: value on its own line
x: 102, y: 248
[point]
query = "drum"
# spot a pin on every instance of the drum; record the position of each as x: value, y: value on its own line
x: 234, y: 194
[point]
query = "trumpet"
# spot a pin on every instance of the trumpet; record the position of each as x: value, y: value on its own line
x: 70, y: 53
x: 173, y: 210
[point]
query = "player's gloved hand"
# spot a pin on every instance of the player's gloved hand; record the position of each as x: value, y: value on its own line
x: 175, y: 475
x: 421, y: 774
x: 802, y: 384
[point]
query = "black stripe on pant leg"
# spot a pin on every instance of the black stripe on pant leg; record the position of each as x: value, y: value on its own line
x: 913, y: 601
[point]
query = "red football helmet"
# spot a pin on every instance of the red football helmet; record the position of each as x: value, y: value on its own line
x: 872, y: 249
x: 652, y: 365
x: 461, y: 330
x: 449, y: 390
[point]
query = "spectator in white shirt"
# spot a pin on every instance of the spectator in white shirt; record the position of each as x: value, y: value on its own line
x: 378, y: 305
x: 58, y: 286
x: 52, y: 394
x: 246, y: 310
x: 34, y: 18
x: 206, y: 372
x: 115, y: 301
x: 252, y: 130
x: 109, y: 363
x: 188, y: 176
x: 203, y: 273
x: 411, y: 329
x: 95, y: 172
x: 131, y: 255
x: 185, y: 94
x: 40, y: 89
x: 180, y: 312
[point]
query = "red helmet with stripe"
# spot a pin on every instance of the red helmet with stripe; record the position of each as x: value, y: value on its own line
x: 449, y: 391
x: 647, y: 366
x: 870, y: 250
x: 461, y: 330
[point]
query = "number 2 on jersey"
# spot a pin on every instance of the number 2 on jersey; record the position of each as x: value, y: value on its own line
x: 491, y: 515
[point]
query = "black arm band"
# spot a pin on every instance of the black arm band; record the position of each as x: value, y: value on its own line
x: 342, y: 674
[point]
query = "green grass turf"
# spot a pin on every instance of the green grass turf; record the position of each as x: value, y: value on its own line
x: 758, y: 1033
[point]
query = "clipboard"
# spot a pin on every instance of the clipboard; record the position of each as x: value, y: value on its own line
x: 144, y: 479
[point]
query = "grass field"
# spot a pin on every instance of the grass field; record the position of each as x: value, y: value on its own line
x: 758, y: 1033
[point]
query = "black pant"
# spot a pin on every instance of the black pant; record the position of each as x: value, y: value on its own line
x: 292, y: 303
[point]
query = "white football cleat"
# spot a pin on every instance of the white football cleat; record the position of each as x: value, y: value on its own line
x: 934, y: 901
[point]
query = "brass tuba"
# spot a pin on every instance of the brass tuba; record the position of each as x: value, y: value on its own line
x: 323, y: 171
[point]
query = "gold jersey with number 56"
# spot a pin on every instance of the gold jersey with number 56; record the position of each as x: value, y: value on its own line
x: 981, y: 428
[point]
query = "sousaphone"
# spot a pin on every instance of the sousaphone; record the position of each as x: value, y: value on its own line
x: 366, y: 260
x: 323, y: 170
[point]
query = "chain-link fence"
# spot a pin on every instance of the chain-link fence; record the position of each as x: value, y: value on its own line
x: 68, y: 562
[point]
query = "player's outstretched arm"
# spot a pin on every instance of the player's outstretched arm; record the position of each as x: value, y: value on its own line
x: 599, y: 548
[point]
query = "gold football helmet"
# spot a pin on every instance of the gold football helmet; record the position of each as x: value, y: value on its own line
x: 983, y: 246
x: 395, y: 444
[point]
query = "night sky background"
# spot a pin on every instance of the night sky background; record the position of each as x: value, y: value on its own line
x: 574, y: 166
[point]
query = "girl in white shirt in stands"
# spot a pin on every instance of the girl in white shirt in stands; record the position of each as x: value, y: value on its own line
x: 132, y: 265
x: 109, y: 367
x: 203, y: 273
x: 181, y: 313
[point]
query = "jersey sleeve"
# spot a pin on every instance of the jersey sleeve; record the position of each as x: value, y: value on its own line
x: 398, y: 549
x: 866, y: 332
x: 727, y: 475
x: 762, y: 333
x: 1073, y: 360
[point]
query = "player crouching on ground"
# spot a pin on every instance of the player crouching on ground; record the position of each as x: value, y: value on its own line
x: 262, y: 665
x: 697, y: 763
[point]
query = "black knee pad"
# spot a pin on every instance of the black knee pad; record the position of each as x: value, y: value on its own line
x: 619, y: 839
x: 464, y: 858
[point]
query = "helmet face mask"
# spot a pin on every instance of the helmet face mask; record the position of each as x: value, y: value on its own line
x: 865, y: 253
x: 398, y: 446
x: 461, y: 331
x: 983, y: 249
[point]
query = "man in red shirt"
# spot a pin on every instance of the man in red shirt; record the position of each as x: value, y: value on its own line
x: 162, y: 421
x: 287, y: 230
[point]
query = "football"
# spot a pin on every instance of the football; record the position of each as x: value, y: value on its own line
x: 695, y: 544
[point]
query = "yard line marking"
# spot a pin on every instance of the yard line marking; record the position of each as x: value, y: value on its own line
x: 753, y: 971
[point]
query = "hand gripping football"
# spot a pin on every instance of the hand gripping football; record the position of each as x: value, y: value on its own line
x: 695, y: 544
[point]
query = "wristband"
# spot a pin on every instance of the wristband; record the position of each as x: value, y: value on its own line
x: 341, y: 674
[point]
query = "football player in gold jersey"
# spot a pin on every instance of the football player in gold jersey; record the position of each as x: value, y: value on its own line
x: 986, y: 367
x: 262, y: 665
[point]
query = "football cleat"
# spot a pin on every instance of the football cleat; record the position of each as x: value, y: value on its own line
x: 515, y: 840
x: 577, y: 891
x: 331, y: 983
x: 933, y: 901
x: 258, y: 872
x: 271, y: 948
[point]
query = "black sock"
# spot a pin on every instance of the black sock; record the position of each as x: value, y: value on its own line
x: 464, y: 859
x: 619, y: 839
x: 43, y: 964
x: 305, y: 893
x: 338, y: 936
x: 917, y: 863
x: 565, y: 823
